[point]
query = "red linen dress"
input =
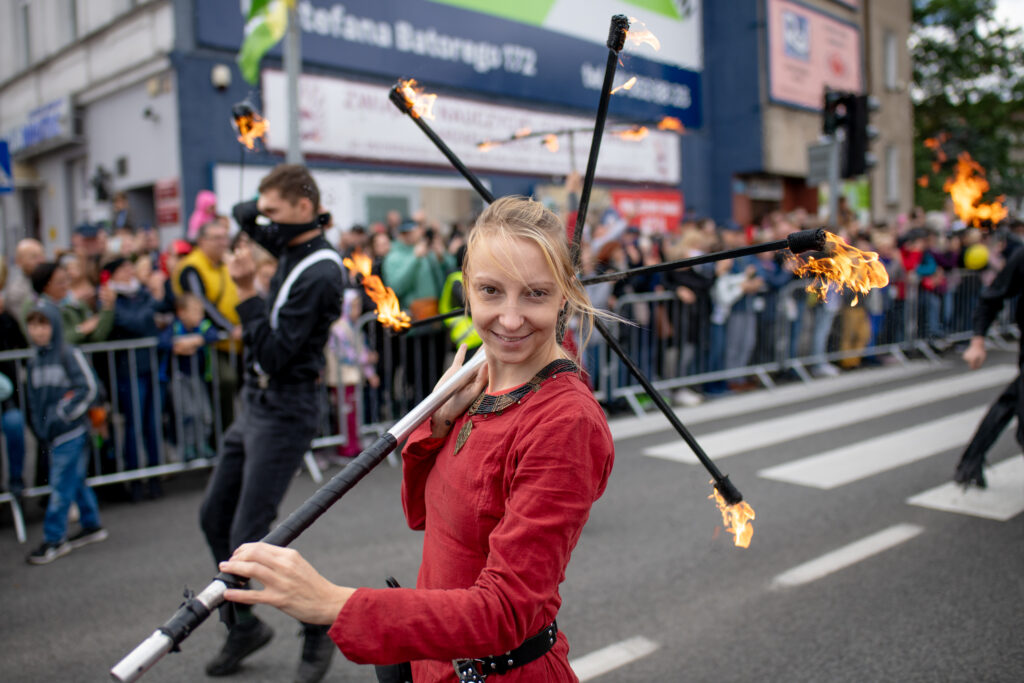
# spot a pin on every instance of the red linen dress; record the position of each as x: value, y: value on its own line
x: 501, y: 518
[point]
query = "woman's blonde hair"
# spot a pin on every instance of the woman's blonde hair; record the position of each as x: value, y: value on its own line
x: 516, y: 217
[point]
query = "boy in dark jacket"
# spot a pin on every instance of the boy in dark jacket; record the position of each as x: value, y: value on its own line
x: 60, y: 388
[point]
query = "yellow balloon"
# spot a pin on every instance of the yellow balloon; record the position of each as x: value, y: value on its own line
x: 976, y: 257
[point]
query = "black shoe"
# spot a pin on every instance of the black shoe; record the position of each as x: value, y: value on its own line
x: 243, y: 640
x: 48, y: 552
x: 317, y: 652
x: 966, y: 476
x: 87, y: 536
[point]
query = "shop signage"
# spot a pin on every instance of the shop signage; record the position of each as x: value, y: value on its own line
x: 167, y: 201
x: 808, y: 51
x: 45, y: 126
x: 440, y: 45
x: 6, y: 177
x: 349, y: 120
x: 653, y: 211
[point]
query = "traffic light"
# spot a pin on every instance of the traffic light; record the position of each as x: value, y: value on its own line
x: 834, y: 111
x: 857, y: 160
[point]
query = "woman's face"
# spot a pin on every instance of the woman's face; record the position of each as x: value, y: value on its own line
x: 514, y: 300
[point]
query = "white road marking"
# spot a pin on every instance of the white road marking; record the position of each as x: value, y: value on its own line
x: 863, y: 459
x: 609, y: 658
x: 1002, y: 500
x: 804, y: 423
x: 629, y: 427
x: 848, y: 555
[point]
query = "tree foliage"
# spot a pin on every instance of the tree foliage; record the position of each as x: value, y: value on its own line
x: 969, y: 91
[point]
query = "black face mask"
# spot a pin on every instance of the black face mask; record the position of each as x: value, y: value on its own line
x: 273, y: 237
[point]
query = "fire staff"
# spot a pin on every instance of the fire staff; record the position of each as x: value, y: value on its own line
x: 1009, y: 283
x: 501, y: 479
x: 284, y: 338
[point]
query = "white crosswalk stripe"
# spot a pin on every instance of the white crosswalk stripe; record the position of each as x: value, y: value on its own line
x: 778, y: 430
x: 1002, y: 500
x: 862, y: 459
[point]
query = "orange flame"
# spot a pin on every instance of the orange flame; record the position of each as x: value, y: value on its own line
x: 640, y: 35
x: 736, y: 518
x: 551, y: 142
x: 250, y: 128
x: 967, y: 188
x: 625, y: 86
x: 422, y: 103
x: 935, y: 144
x: 671, y: 123
x: 844, y: 266
x: 486, y: 145
x: 635, y: 133
x: 522, y: 133
x: 388, y: 312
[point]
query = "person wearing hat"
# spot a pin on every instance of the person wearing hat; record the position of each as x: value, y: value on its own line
x: 50, y: 284
x: 89, y: 244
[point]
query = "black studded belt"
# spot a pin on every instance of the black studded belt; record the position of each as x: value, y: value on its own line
x: 533, y: 648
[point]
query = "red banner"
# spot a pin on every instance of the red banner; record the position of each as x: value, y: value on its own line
x: 653, y: 211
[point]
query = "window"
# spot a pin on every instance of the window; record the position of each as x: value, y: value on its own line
x: 72, y: 19
x: 892, y: 174
x: 892, y: 61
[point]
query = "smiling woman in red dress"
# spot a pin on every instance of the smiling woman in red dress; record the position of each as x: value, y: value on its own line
x: 501, y: 480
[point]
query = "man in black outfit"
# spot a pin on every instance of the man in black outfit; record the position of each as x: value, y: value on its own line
x: 284, y: 338
x: 1008, y: 284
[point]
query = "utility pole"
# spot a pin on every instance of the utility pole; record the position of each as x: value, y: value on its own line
x: 293, y: 67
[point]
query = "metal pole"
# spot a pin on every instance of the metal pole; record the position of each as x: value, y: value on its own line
x: 833, y: 179
x: 293, y: 67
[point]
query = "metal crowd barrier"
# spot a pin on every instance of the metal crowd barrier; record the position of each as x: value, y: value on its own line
x: 151, y: 423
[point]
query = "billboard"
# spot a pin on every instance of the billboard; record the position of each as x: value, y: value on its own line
x: 808, y: 51
x: 349, y: 120
x: 536, y: 55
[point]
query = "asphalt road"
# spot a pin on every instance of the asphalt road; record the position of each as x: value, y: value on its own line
x: 844, y: 580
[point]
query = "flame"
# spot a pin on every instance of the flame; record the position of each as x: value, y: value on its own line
x: 625, y: 86
x: 635, y: 133
x: 967, y: 187
x: 388, y: 312
x: 422, y: 103
x: 522, y: 133
x: 641, y: 35
x: 250, y: 127
x: 551, y: 142
x: 843, y: 266
x: 935, y: 144
x: 486, y: 145
x: 671, y: 123
x: 736, y: 518
x: 923, y: 181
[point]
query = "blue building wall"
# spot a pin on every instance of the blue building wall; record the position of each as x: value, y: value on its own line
x: 732, y: 96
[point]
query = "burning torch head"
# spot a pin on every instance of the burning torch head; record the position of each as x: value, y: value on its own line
x: 242, y: 110
x: 728, y: 491
x: 806, y: 240
x: 617, y: 33
x: 399, y: 99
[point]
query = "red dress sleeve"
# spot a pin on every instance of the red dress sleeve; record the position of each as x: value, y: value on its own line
x: 557, y: 466
x: 417, y: 460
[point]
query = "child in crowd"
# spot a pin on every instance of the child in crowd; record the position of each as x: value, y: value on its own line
x: 60, y: 389
x: 354, y: 363
x: 187, y: 340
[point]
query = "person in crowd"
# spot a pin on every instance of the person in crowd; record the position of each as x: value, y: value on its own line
x: 692, y: 287
x: 12, y: 338
x: 501, y: 479
x: 415, y: 268
x: 350, y: 364
x: 147, y: 245
x: 60, y: 387
x: 187, y: 341
x: 28, y: 254
x: 205, y: 211
x: 121, y: 213
x: 284, y: 338
x: 89, y: 244
x: 204, y: 273
x: 1009, y: 284
x: 135, y: 311
x: 84, y: 322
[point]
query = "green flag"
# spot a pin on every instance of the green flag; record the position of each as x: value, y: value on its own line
x: 266, y: 25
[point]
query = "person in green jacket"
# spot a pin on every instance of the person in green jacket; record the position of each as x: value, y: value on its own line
x: 83, y: 324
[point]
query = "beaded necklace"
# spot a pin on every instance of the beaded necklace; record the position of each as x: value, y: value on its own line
x: 489, y: 403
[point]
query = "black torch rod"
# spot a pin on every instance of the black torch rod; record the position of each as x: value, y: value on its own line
x: 197, y: 608
x: 616, y: 41
x: 797, y: 242
x: 399, y: 99
x: 725, y: 487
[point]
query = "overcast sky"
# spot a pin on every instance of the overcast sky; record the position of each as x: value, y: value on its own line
x: 1011, y: 10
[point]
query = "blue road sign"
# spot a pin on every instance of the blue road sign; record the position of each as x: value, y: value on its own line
x: 6, y: 178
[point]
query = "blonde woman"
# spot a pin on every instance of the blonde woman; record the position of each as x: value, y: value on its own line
x: 501, y: 479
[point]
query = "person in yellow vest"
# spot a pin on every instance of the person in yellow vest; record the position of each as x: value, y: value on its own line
x: 453, y: 296
x: 204, y: 273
